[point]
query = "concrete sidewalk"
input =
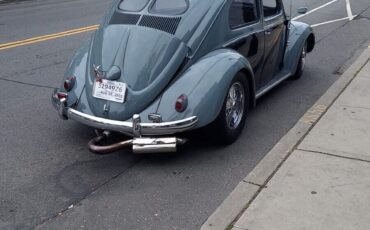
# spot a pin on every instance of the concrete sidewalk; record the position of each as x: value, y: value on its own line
x: 318, y: 176
x: 325, y: 182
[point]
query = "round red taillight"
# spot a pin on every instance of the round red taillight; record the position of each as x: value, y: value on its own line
x: 62, y: 95
x: 69, y: 83
x: 181, y: 103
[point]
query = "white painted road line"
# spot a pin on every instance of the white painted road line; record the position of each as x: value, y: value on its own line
x: 332, y: 21
x: 349, y: 10
x: 314, y: 10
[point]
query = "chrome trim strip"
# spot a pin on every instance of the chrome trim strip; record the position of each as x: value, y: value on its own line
x: 273, y: 17
x: 243, y: 36
x: 273, y: 25
x: 265, y: 90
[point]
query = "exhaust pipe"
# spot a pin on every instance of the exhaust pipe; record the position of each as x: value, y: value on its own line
x: 156, y: 145
x: 96, y: 145
x: 139, y: 145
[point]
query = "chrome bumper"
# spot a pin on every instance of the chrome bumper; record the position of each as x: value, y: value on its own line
x: 134, y: 128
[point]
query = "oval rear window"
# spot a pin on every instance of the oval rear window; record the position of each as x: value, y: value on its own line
x: 133, y: 5
x: 172, y: 7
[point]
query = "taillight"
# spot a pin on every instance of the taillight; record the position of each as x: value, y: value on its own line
x: 181, y: 103
x: 69, y: 83
x: 62, y: 95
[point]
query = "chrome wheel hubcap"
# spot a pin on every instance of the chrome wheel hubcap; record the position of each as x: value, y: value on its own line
x: 303, y: 57
x: 235, y: 105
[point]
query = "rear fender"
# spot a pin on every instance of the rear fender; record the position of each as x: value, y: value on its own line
x: 206, y: 84
x: 77, y: 69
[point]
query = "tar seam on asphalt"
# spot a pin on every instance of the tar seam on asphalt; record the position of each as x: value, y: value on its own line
x: 24, y: 83
x: 34, y: 69
x: 341, y: 26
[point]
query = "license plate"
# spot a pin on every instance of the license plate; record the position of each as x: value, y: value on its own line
x: 110, y: 90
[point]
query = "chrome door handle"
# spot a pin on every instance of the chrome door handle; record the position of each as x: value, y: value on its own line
x: 268, y: 32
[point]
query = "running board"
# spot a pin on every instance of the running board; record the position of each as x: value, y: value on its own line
x: 266, y: 89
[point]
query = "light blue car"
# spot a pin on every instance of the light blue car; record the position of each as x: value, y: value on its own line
x: 156, y: 68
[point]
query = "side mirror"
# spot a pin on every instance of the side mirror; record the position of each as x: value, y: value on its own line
x: 302, y: 10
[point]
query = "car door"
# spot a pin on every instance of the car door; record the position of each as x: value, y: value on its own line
x: 274, y: 35
x: 247, y: 32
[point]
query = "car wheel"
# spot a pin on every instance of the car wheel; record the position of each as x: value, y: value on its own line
x: 301, y: 64
x: 230, y: 122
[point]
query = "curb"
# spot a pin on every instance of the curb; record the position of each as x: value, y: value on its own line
x: 247, y: 190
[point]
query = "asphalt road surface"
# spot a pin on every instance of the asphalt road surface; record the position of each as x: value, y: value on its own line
x: 48, y: 178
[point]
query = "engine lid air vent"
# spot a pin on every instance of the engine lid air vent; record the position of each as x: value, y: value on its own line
x: 122, y: 18
x: 166, y: 24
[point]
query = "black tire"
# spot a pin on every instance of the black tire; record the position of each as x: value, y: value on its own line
x: 301, y: 64
x: 222, y: 130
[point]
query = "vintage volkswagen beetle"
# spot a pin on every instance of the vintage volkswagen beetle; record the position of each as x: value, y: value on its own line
x: 156, y: 68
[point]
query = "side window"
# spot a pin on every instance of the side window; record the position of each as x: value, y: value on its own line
x: 242, y: 12
x: 271, y: 8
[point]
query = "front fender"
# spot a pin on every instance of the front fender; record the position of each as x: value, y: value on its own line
x: 206, y: 84
x: 299, y: 33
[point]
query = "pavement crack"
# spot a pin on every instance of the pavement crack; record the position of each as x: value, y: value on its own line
x: 361, y: 17
x: 334, y: 155
x: 355, y: 107
x: 236, y: 227
x: 25, y: 83
x: 73, y: 205
x: 36, y: 68
x: 252, y: 183
x: 46, y: 66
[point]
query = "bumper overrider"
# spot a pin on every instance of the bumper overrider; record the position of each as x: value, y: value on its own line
x: 146, y: 137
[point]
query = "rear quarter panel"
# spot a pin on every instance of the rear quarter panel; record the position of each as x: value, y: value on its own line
x: 206, y: 84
